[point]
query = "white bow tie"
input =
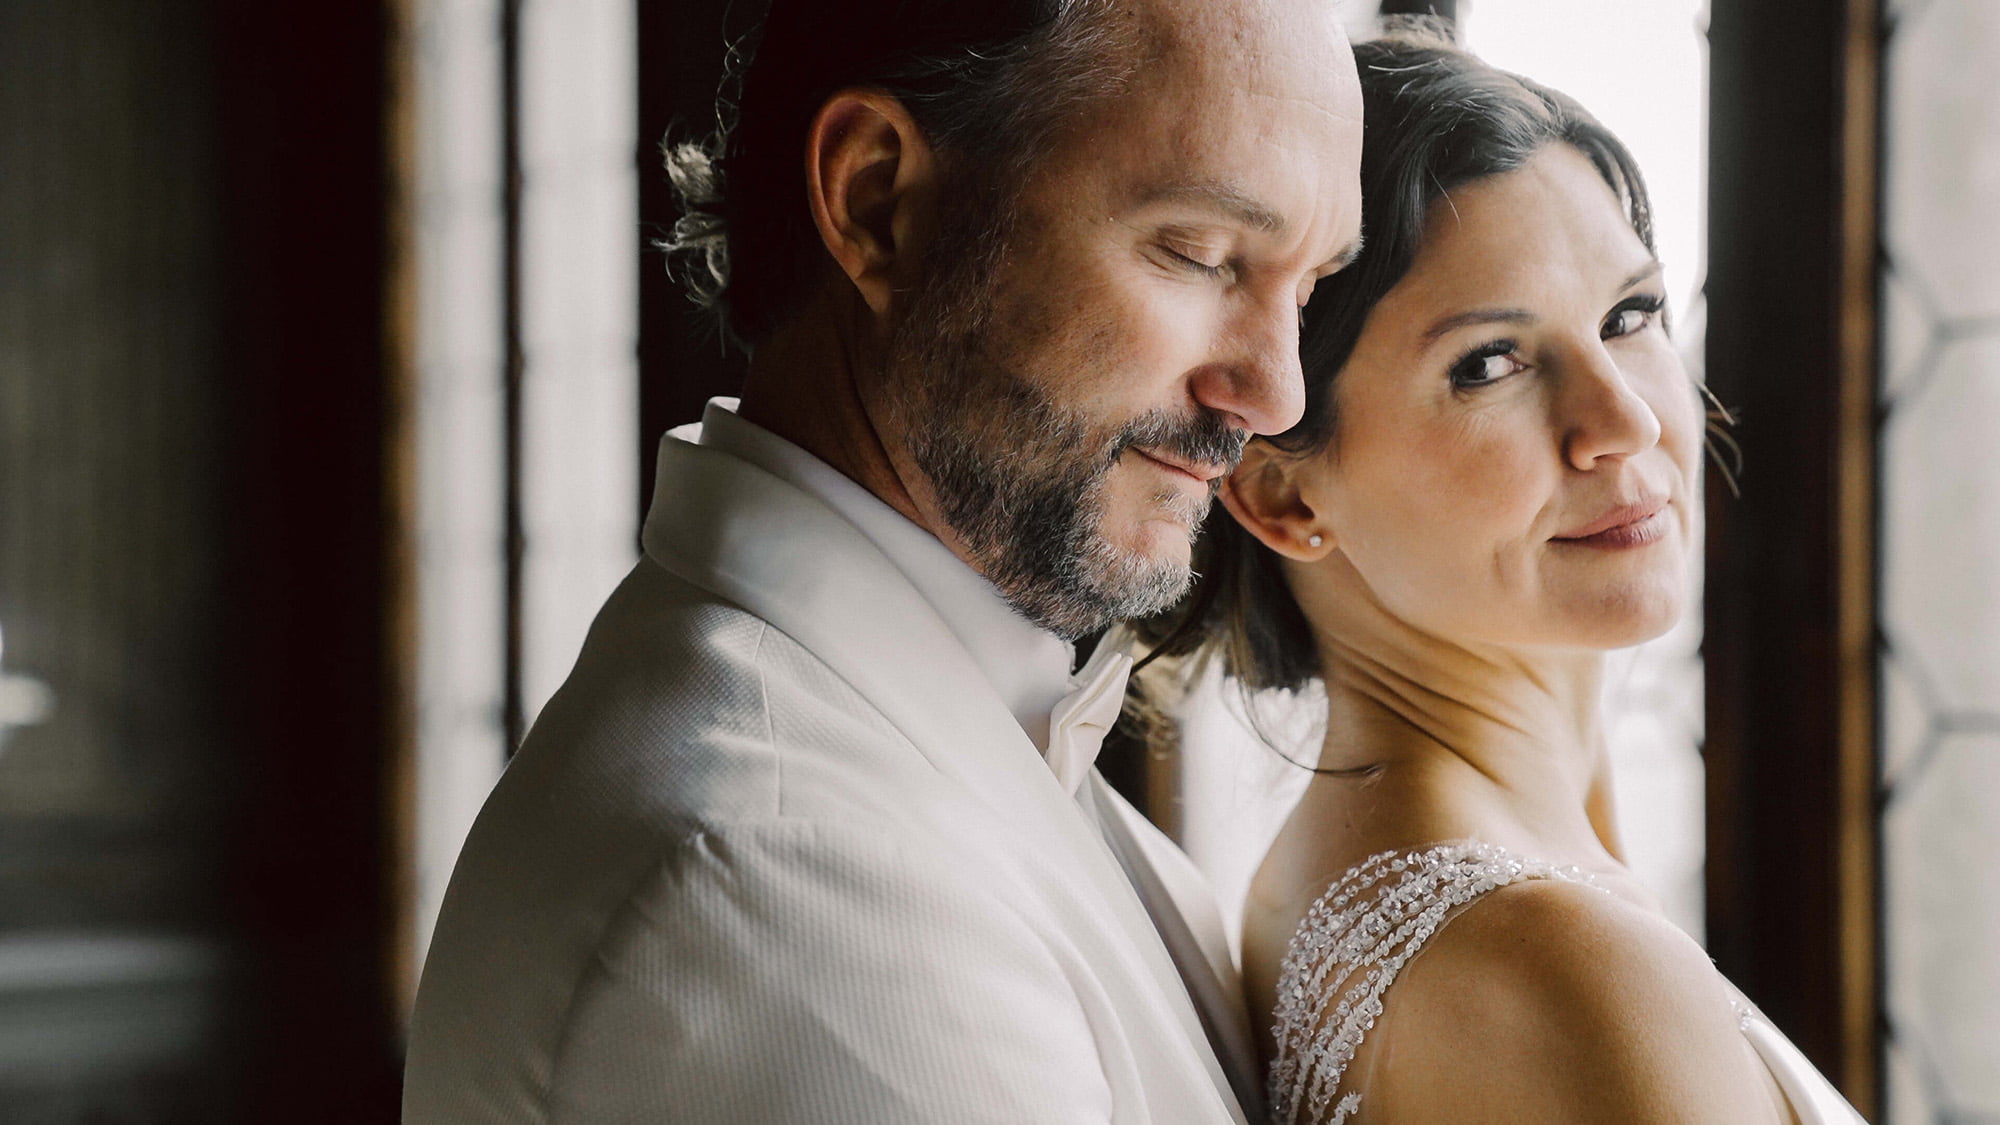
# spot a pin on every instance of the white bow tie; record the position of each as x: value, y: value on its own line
x: 1082, y: 718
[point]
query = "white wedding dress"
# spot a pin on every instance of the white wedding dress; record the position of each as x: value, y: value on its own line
x: 1367, y: 926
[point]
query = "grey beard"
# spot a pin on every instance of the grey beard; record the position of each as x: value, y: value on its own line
x: 1022, y: 483
x: 1020, y: 480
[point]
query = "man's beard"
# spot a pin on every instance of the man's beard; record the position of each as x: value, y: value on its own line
x: 1022, y: 480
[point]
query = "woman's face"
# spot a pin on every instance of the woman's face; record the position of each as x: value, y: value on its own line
x: 1517, y: 457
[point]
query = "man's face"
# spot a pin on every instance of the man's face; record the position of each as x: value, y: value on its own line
x: 1071, y: 402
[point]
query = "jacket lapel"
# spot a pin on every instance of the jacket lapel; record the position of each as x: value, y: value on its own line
x: 758, y: 541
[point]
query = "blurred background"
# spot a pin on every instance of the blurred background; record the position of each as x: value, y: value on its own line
x: 332, y: 359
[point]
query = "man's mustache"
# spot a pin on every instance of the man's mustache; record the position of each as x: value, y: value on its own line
x: 1203, y: 439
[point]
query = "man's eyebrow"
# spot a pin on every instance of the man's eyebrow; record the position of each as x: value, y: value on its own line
x: 1345, y: 258
x: 1219, y: 197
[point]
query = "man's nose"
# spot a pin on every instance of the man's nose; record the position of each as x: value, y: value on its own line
x: 1258, y: 382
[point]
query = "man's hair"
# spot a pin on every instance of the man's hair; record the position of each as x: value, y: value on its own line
x: 990, y: 82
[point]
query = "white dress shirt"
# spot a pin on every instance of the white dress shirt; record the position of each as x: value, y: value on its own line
x: 1029, y: 668
x: 781, y: 849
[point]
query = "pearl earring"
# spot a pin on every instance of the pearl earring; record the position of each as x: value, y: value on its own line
x: 1314, y: 540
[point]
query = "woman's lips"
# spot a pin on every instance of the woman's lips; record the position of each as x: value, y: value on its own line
x: 1629, y: 525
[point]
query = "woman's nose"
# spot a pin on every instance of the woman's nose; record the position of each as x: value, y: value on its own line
x: 1604, y: 414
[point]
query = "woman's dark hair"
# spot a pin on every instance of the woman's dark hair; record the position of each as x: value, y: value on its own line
x: 988, y: 82
x: 1434, y: 118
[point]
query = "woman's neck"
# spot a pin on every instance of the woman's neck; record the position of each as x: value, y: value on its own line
x: 1431, y: 739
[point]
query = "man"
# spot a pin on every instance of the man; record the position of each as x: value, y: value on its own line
x: 811, y: 834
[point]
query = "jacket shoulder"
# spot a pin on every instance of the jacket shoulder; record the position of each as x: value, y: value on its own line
x: 778, y: 970
x: 688, y: 709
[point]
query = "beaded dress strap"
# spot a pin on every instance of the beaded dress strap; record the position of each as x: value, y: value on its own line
x: 1347, y: 951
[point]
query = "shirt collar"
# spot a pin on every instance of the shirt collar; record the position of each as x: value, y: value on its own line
x: 1027, y: 666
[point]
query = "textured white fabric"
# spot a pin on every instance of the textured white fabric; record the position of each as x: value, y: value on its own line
x: 1027, y: 667
x: 1814, y: 1100
x: 1183, y: 909
x: 778, y: 851
x: 1081, y: 719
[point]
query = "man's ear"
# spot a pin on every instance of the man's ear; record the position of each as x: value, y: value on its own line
x: 1268, y: 495
x: 871, y: 181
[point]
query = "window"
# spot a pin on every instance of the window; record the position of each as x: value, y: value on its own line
x: 1940, y: 583
x: 526, y: 243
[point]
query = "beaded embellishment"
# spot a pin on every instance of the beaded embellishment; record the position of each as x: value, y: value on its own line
x: 1744, y: 1013
x: 1353, y: 941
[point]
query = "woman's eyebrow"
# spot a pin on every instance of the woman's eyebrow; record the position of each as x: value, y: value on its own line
x: 1646, y: 273
x: 1456, y: 321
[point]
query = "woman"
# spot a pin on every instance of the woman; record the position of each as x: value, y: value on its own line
x: 1496, y: 482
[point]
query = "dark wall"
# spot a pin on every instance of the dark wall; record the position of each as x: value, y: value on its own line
x: 195, y: 540
x: 1789, y: 630
x: 303, y: 92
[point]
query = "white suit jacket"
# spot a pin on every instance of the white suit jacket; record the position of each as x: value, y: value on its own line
x: 777, y: 852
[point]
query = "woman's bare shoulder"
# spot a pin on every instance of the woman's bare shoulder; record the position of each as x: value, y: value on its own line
x: 1555, y: 1001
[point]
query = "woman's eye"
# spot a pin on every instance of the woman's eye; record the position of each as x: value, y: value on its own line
x: 1624, y: 322
x: 1630, y: 317
x: 1489, y: 364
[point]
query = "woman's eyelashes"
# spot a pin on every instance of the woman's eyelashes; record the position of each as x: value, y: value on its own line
x: 1634, y: 314
x: 1490, y: 362
x: 1484, y: 365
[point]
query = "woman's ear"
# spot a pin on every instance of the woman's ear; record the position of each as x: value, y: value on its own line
x: 871, y: 182
x: 1267, y: 495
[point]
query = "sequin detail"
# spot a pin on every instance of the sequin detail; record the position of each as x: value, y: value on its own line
x: 1353, y: 941
x: 1743, y: 1012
